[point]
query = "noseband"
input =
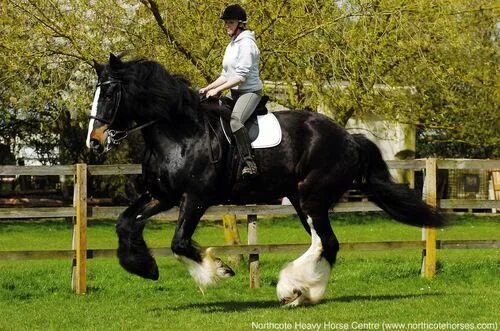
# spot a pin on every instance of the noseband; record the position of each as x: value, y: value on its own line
x: 115, y: 136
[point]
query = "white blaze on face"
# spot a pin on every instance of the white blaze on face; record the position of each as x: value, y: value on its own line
x: 93, y: 112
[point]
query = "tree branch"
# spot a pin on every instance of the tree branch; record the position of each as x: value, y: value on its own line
x: 273, y: 20
x: 52, y: 26
x: 153, y: 7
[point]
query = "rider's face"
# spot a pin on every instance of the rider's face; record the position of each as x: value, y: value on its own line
x: 231, y: 26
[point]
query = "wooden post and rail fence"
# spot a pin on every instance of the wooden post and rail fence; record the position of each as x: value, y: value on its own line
x: 81, y: 212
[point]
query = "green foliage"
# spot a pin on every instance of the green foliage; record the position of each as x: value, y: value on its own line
x: 430, y: 63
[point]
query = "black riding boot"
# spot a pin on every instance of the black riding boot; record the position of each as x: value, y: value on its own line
x: 245, y: 151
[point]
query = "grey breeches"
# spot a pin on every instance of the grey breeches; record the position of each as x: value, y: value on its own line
x: 244, y: 107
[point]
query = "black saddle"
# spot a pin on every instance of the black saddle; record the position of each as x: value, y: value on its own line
x: 224, y: 107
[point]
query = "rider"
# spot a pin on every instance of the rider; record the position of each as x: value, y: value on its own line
x: 240, y: 74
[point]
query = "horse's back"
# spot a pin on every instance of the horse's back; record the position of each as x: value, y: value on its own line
x: 309, y: 141
x: 313, y: 131
x: 309, y: 121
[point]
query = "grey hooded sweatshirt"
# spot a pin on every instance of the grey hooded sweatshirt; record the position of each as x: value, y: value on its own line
x: 241, y: 60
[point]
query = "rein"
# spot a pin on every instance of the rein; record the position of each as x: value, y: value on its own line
x: 115, y: 136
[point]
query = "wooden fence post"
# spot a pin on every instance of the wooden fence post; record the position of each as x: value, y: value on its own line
x: 430, y: 253
x: 253, y: 259
x: 232, y: 237
x: 79, y: 276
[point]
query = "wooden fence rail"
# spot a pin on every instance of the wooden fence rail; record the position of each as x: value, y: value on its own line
x: 81, y: 212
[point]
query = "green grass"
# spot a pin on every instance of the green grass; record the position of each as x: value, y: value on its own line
x: 375, y: 287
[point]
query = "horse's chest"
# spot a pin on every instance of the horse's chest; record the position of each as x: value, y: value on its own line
x: 163, y: 173
x: 175, y: 159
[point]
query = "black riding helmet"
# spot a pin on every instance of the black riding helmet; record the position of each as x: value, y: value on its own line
x: 234, y: 12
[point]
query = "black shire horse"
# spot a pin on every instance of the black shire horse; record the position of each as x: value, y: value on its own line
x: 188, y: 163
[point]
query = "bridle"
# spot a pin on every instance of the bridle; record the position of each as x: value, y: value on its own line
x: 116, y: 136
x: 115, y: 106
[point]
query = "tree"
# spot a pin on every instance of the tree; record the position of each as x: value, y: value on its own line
x: 431, y: 63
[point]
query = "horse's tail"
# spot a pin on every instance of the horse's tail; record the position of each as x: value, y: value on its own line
x: 399, y: 201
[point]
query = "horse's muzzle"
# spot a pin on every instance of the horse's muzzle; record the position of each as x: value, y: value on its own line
x: 98, y: 139
x: 96, y: 146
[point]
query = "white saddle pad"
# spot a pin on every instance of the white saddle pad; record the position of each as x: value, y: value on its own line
x: 269, y: 132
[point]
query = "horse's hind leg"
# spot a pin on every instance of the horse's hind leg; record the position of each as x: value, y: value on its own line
x: 205, y: 268
x: 133, y: 252
x: 304, y: 280
x: 294, y: 199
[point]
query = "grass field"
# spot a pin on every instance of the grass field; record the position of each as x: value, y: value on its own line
x: 368, y: 290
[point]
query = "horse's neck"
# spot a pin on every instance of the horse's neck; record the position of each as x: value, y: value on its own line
x: 163, y: 137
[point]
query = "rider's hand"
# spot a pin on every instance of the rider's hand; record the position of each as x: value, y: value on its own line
x: 202, y: 90
x: 212, y: 93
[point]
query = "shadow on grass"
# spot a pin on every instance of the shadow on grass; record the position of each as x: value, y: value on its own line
x: 384, y: 297
x: 241, y: 306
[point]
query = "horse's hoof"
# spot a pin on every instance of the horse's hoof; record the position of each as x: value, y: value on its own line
x: 147, y: 270
x: 223, y: 270
x: 154, y: 273
x: 292, y: 300
x: 143, y: 265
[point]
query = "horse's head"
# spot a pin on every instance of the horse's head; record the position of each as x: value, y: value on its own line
x: 108, y: 116
x: 140, y: 92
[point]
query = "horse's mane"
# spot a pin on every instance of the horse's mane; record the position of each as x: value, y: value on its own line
x: 167, y: 96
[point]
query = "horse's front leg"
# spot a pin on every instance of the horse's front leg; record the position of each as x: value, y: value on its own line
x: 133, y: 252
x: 205, y: 268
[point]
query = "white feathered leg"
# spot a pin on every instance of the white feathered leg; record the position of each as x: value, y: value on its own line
x: 304, y: 280
x: 208, y: 272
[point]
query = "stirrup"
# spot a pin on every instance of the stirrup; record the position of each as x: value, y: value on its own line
x: 249, y: 169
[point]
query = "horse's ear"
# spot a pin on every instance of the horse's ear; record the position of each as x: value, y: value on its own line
x: 114, y: 61
x: 99, y: 67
